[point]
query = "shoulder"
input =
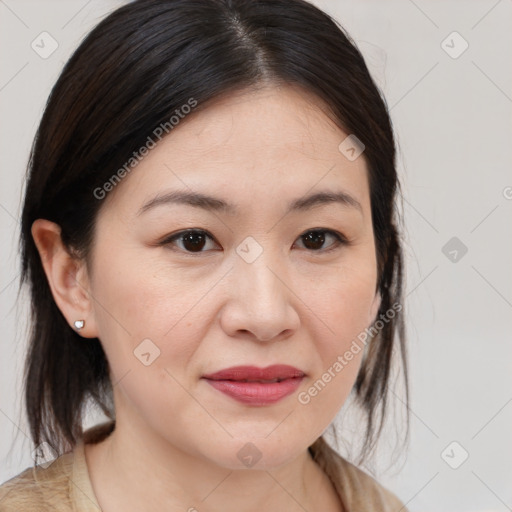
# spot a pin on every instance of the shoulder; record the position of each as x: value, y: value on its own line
x: 63, y: 485
x: 39, y: 488
x: 20, y: 493
x: 358, y: 490
x: 368, y: 493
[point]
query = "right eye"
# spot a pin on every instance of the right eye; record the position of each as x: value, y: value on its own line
x: 192, y: 240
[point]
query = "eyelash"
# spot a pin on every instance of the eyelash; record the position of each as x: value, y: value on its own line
x: 340, y: 240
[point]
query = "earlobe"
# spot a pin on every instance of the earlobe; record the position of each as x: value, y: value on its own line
x: 66, y: 277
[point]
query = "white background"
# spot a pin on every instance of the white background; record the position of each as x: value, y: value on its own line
x: 452, y: 117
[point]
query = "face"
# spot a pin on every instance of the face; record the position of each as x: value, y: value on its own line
x: 182, y: 291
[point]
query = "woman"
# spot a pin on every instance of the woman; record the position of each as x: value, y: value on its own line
x: 209, y: 235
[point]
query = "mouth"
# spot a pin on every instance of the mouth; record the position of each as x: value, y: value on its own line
x: 254, y: 380
x: 257, y: 386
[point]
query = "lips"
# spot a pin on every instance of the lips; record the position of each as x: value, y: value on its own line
x: 275, y: 373
x: 256, y: 386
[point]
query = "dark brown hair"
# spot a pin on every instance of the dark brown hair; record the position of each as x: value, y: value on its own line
x: 141, y: 63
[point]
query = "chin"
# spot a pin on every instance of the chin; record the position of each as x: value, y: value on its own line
x: 255, y: 453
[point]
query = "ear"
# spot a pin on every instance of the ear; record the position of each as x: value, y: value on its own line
x: 67, y: 276
x: 374, y: 309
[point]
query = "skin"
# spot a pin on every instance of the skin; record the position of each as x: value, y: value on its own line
x: 176, y: 440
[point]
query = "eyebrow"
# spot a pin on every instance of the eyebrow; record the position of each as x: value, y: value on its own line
x: 216, y: 204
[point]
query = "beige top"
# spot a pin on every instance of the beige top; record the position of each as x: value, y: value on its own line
x: 65, y: 486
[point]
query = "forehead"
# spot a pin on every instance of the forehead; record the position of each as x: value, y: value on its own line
x: 256, y: 146
x: 265, y: 123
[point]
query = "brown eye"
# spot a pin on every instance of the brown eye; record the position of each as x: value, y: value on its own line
x: 315, y: 239
x: 195, y: 241
x: 192, y: 241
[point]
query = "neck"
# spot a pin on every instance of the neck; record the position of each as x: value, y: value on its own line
x: 136, y: 470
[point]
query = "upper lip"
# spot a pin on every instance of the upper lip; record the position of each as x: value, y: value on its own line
x: 253, y: 373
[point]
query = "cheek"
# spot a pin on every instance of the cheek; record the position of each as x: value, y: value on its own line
x: 342, y: 315
x: 141, y: 307
x: 342, y: 302
x: 350, y: 310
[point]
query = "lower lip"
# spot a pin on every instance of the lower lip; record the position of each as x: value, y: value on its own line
x: 257, y: 393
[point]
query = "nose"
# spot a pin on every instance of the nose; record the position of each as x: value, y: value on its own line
x: 261, y: 301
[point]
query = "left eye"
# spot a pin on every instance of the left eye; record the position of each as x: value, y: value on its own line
x: 194, y: 241
x: 316, y: 237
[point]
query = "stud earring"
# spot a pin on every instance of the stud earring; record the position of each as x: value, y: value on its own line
x: 79, y: 324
